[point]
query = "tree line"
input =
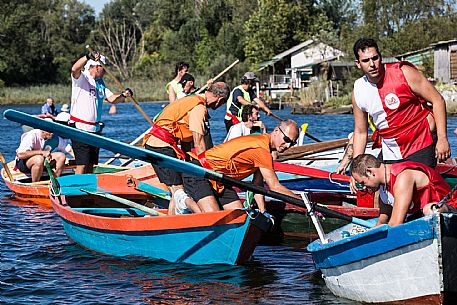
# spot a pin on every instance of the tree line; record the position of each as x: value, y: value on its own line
x: 40, y: 39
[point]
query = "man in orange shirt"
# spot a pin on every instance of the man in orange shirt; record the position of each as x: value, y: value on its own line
x: 243, y: 156
x: 183, y: 123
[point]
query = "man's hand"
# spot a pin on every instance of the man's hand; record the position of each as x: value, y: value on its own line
x: 442, y: 150
x: 353, y: 185
x: 341, y: 169
x: 94, y: 55
x: 127, y: 93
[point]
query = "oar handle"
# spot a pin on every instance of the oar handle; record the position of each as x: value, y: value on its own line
x: 276, y: 117
x: 121, y: 87
x: 5, y: 166
x: 283, y: 197
x: 219, y: 75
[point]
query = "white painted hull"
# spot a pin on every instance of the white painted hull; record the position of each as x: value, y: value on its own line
x: 406, y: 273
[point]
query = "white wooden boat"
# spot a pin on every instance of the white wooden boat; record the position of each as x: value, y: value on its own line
x: 413, y: 263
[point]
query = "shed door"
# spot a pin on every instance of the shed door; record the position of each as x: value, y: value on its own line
x: 454, y: 65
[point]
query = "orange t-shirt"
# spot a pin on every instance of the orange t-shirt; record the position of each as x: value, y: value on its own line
x: 242, y: 156
x: 181, y: 121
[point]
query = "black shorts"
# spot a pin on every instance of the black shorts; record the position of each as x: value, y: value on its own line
x: 425, y: 155
x: 20, y: 164
x: 197, y: 187
x: 85, y: 154
x: 166, y: 176
x: 227, y: 196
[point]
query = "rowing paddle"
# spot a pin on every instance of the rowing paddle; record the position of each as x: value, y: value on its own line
x: 5, y: 166
x: 163, y: 160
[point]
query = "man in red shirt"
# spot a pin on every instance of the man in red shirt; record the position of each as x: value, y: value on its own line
x: 405, y: 188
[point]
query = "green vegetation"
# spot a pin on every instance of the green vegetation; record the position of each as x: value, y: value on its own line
x: 143, y: 39
x: 147, y: 91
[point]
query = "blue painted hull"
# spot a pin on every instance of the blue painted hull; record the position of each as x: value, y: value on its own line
x: 413, y: 262
x: 199, y: 246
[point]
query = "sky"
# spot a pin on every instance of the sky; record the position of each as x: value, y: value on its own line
x: 96, y: 4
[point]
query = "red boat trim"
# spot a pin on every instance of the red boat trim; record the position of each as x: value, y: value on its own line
x: 154, y: 223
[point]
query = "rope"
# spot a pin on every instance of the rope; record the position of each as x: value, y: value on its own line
x: 445, y: 199
x: 448, y: 170
x: 334, y: 182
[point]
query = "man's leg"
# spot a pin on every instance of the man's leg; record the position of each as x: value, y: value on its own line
x: 229, y: 199
x: 36, y: 165
x: 60, y: 162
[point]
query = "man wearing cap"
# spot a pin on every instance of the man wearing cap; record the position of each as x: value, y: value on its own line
x: 188, y: 86
x: 183, y: 122
x: 242, y: 95
x: 87, y: 95
x: 63, y: 115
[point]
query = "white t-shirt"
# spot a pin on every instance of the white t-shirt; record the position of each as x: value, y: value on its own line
x: 31, y: 140
x: 62, y: 117
x: 83, y: 101
x: 236, y: 131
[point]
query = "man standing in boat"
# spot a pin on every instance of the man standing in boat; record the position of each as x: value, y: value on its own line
x: 408, y: 112
x: 32, y: 153
x: 405, y: 188
x: 242, y: 157
x: 88, y: 92
x: 240, y: 96
x: 183, y: 123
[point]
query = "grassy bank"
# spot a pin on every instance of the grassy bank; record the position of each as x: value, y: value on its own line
x: 145, y: 90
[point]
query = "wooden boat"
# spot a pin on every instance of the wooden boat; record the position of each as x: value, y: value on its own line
x: 38, y: 192
x: 105, y: 226
x: 168, y: 162
x: 410, y: 263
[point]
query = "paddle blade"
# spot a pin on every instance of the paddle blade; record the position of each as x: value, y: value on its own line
x: 304, y: 126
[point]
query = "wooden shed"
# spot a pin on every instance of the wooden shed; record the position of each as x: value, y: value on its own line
x: 445, y: 61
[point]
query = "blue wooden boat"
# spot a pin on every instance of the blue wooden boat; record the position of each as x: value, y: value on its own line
x: 106, y: 226
x: 414, y: 263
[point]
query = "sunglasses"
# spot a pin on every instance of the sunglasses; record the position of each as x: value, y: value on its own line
x: 374, y: 58
x: 287, y: 139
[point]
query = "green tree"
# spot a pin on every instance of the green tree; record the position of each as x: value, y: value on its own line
x: 279, y: 25
x: 39, y: 37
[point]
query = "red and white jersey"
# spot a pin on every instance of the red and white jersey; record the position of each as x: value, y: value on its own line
x: 398, y: 114
x: 434, y: 191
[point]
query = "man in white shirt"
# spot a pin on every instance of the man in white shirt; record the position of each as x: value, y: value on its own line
x: 87, y: 95
x: 250, y: 123
x: 33, y: 151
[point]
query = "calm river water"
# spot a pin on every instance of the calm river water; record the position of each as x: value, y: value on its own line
x: 39, y: 265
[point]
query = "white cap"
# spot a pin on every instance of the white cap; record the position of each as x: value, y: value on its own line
x: 92, y: 62
x: 65, y: 108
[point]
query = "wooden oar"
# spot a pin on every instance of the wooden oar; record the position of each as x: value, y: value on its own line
x: 219, y: 75
x: 123, y: 201
x: 164, y: 161
x: 122, y: 87
x: 5, y: 166
x: 134, y: 142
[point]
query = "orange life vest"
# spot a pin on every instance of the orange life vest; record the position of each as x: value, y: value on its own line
x: 171, y: 121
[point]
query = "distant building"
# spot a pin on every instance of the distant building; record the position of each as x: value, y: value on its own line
x: 445, y: 61
x: 296, y: 66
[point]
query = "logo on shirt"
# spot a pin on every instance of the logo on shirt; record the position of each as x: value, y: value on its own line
x: 392, y: 101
